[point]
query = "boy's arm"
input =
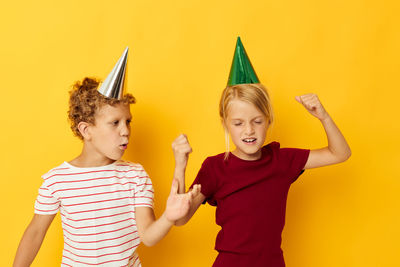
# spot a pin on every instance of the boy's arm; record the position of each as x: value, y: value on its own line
x: 150, y: 230
x: 337, y: 150
x: 182, y: 149
x: 32, y: 239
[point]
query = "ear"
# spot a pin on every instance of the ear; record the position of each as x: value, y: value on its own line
x: 83, y: 128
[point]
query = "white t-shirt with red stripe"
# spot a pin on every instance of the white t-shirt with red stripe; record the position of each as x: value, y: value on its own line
x: 97, y: 207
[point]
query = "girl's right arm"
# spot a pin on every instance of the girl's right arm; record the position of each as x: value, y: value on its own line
x: 32, y: 239
x: 182, y: 149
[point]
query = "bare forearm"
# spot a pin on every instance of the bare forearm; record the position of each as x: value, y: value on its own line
x: 28, y: 248
x: 179, y: 174
x: 337, y: 144
x: 156, y: 231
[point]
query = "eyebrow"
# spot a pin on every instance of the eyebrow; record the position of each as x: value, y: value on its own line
x: 240, y: 119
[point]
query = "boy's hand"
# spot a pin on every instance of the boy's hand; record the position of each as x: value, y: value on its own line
x: 178, y: 205
x: 182, y: 149
x: 313, y: 105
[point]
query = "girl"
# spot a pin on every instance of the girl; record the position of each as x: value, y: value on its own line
x: 249, y: 185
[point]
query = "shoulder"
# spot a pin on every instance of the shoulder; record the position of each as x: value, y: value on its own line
x: 272, y: 146
x: 214, y: 160
x: 271, y: 149
x: 135, y: 169
x: 127, y: 165
x: 57, y: 171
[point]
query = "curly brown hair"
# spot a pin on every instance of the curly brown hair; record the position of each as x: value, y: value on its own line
x: 85, y: 100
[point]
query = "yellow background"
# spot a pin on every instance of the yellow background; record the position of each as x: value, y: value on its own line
x: 345, y: 51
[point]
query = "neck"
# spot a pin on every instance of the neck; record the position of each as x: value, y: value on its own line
x: 89, y: 158
x: 249, y: 157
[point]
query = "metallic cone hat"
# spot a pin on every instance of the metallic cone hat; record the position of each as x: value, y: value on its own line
x: 241, y: 70
x: 113, y: 85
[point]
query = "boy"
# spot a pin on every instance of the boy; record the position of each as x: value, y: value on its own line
x: 105, y: 203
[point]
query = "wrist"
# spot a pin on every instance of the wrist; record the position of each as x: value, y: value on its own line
x: 325, y: 118
x: 167, y: 221
x: 180, y: 167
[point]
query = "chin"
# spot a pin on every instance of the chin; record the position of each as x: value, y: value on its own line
x: 114, y: 157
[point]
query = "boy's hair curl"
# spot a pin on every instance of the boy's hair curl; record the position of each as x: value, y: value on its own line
x: 85, y: 100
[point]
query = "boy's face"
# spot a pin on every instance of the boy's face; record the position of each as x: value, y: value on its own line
x: 109, y: 136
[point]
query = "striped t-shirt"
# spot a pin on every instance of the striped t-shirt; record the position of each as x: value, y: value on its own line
x: 97, y: 207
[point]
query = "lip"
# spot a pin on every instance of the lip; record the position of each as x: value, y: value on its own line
x: 124, y: 146
x: 251, y: 140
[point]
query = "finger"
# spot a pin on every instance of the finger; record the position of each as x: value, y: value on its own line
x: 307, y: 97
x: 298, y: 99
x: 196, y: 190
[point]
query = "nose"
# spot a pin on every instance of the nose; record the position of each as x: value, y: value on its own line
x: 249, y: 130
x: 125, y: 130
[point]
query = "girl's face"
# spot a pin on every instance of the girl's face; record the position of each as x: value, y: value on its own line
x: 247, y: 127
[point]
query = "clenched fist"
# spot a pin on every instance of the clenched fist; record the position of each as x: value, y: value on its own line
x: 313, y: 105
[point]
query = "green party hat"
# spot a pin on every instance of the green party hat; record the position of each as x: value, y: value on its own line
x: 241, y: 70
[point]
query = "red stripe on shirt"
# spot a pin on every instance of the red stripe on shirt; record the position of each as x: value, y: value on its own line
x: 95, y: 263
x: 93, y: 202
x: 95, y: 194
x: 102, y: 247
x: 102, y: 255
x: 99, y: 233
x: 99, y: 225
x: 82, y: 211
x: 78, y: 173
x: 45, y: 196
x: 46, y: 203
x: 100, y: 178
x: 94, y: 186
x: 102, y: 240
x: 95, y: 218
x: 46, y: 210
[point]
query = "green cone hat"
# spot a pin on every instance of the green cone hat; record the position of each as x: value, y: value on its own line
x: 113, y: 85
x: 241, y: 70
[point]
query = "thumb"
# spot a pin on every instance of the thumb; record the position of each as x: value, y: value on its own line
x: 174, y: 187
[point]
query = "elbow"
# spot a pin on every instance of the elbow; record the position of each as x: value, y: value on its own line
x: 148, y: 243
x: 345, y: 156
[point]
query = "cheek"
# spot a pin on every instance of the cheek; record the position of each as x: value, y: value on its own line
x: 235, y: 133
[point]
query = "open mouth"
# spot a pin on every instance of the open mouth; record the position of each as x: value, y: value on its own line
x: 124, y: 146
x: 249, y: 140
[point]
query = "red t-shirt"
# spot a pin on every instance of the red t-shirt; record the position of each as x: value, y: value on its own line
x: 251, y: 201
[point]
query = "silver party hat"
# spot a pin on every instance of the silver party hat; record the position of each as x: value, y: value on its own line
x: 113, y: 85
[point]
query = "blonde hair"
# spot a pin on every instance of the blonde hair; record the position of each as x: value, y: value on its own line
x: 85, y: 100
x: 255, y: 94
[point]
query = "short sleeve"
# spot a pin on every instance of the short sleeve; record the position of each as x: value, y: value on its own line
x: 144, y: 191
x: 292, y: 161
x: 207, y: 181
x: 46, y: 203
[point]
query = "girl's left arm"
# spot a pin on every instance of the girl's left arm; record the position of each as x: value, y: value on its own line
x: 337, y: 150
